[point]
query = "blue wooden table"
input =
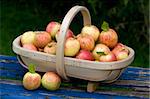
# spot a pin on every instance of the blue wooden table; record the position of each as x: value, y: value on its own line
x: 134, y: 83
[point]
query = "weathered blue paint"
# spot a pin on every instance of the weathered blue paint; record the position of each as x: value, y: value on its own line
x: 61, y: 93
x: 10, y: 68
x: 11, y: 65
x: 7, y: 57
x: 135, y: 74
x: 9, y: 74
x: 128, y: 74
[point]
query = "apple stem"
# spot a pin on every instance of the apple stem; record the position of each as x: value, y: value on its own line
x: 31, y: 68
x: 105, y: 26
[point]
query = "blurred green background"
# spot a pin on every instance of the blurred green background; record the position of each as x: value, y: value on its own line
x: 130, y: 18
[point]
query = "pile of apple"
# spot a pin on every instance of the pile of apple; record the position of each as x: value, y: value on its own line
x: 90, y: 44
x: 32, y: 80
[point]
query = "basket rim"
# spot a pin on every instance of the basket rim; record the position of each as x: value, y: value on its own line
x: 78, y: 62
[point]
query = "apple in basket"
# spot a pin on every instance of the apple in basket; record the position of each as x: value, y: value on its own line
x: 53, y: 28
x: 86, y: 42
x: 51, y: 81
x: 121, y: 51
x: 68, y: 35
x: 91, y: 30
x: 72, y: 47
x: 40, y: 49
x: 28, y: 37
x: 100, y: 48
x: 107, y: 57
x: 85, y: 55
x: 30, y: 47
x: 50, y: 48
x: 42, y: 39
x: 108, y: 36
x: 31, y: 79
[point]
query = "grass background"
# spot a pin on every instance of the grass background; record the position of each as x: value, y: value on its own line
x: 130, y: 18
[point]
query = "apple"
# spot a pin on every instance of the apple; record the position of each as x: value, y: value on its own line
x: 100, y: 49
x: 51, y: 81
x: 53, y: 28
x: 91, y: 30
x: 120, y: 47
x: 50, y: 48
x: 85, y: 55
x: 30, y: 47
x: 31, y: 79
x: 28, y: 37
x: 121, y: 51
x: 42, y: 39
x: 72, y: 47
x: 121, y: 55
x: 40, y: 49
x: 108, y: 36
x: 86, y: 42
x: 107, y: 57
x: 68, y: 35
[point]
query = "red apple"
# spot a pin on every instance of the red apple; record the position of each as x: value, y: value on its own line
x: 100, y: 49
x: 108, y: 36
x: 91, y: 30
x: 30, y: 47
x: 42, y: 39
x: 120, y: 47
x: 51, y: 81
x: 86, y: 42
x: 121, y: 51
x: 72, y: 47
x: 31, y: 79
x: 121, y: 55
x: 53, y: 28
x: 85, y: 55
x: 50, y: 48
x: 40, y: 49
x: 28, y: 37
x: 68, y: 35
x: 107, y: 57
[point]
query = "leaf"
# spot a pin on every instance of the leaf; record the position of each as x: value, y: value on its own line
x: 93, y: 4
x: 126, y: 2
x: 31, y: 68
x: 100, y: 53
x: 105, y: 26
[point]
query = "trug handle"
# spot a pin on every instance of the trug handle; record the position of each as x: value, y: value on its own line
x: 60, y: 67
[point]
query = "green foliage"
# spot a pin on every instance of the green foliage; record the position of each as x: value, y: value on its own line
x: 130, y: 19
x: 105, y: 26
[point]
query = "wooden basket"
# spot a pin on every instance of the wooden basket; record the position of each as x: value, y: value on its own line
x: 72, y: 67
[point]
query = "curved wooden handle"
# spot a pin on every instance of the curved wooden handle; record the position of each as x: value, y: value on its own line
x: 60, y: 68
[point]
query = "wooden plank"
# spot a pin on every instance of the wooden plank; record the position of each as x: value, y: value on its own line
x: 11, y: 74
x: 11, y: 65
x: 11, y: 88
x: 18, y: 74
x: 133, y: 82
x: 11, y: 70
x: 4, y: 57
x: 139, y: 74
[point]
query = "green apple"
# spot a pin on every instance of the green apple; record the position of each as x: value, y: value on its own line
x: 31, y: 79
x: 51, y: 81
